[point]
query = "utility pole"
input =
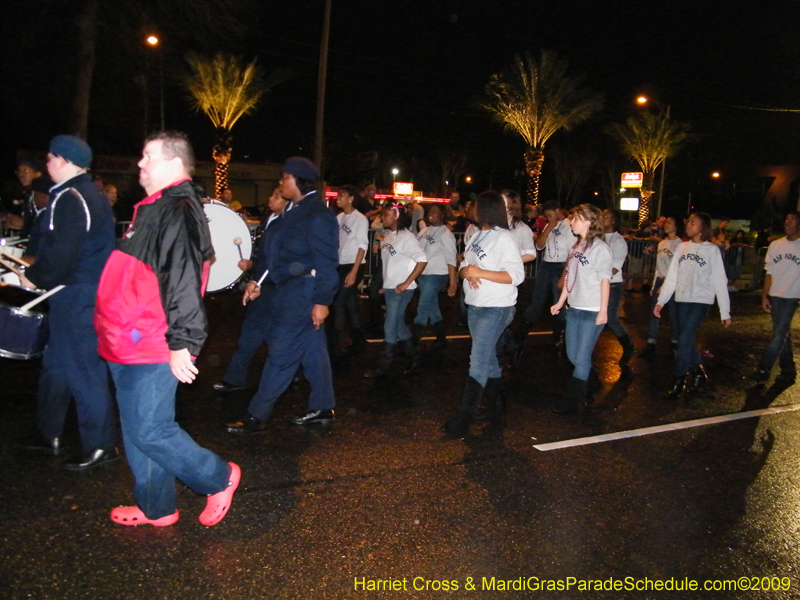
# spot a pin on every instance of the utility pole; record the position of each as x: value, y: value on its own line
x: 321, y: 82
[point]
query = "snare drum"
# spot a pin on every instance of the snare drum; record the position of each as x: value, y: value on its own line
x: 226, y: 228
x: 23, y: 333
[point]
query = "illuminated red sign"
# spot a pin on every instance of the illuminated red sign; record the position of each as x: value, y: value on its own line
x: 403, y: 189
x: 632, y: 180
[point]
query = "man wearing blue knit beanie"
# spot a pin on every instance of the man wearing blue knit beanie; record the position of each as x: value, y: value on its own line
x: 76, y: 237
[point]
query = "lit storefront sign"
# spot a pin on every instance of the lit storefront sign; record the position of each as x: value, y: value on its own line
x: 632, y: 180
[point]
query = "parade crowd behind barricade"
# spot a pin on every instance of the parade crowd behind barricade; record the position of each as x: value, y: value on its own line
x: 321, y: 280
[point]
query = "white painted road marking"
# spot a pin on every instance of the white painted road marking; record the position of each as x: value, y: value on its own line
x: 631, y: 433
x: 461, y: 337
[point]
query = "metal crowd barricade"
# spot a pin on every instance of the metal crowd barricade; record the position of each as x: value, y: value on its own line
x: 744, y: 266
x: 641, y: 263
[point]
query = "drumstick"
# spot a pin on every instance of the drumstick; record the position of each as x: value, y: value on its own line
x: 12, y: 257
x: 262, y: 278
x: 11, y: 268
x: 44, y: 296
x: 238, y: 242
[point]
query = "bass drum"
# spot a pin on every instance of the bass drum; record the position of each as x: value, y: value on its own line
x: 227, y: 230
x: 23, y: 333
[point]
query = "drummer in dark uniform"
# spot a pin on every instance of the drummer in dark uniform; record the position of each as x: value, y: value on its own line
x: 302, y: 258
x: 258, y: 301
x: 76, y: 240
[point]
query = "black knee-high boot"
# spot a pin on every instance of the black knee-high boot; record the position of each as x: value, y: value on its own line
x: 572, y: 396
x: 459, y: 426
x: 410, y: 350
x: 627, y: 349
x: 495, y: 400
x: 384, y: 361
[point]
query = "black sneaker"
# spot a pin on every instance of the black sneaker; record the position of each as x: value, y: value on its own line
x: 323, y: 417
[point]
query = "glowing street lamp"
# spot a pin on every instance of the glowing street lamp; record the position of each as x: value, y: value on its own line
x: 715, y: 175
x: 395, y: 173
x: 468, y: 179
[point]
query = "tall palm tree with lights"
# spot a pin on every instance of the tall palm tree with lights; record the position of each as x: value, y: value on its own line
x: 536, y: 99
x: 649, y: 139
x: 226, y: 90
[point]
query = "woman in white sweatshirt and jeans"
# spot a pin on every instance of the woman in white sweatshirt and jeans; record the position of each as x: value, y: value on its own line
x: 492, y: 269
x: 403, y: 261
x: 696, y: 276
x: 587, y: 286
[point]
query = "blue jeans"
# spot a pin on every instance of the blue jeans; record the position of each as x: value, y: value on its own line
x: 394, y: 326
x: 581, y: 337
x: 688, y: 315
x: 614, y: 299
x: 486, y: 325
x: 546, y: 284
x: 780, y: 348
x: 652, y: 332
x: 157, y: 449
x: 428, y: 305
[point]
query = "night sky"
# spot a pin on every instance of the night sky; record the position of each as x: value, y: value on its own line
x: 405, y: 78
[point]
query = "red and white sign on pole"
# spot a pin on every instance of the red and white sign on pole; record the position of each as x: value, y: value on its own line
x: 402, y: 188
x: 632, y: 180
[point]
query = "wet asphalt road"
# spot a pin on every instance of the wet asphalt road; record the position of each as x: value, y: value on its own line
x: 381, y: 496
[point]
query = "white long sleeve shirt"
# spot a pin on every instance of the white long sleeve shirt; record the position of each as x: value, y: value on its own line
x: 400, y: 252
x: 439, y: 245
x: 697, y: 274
x: 783, y: 263
x: 586, y: 269
x: 666, y: 250
x: 559, y: 242
x: 353, y: 235
x: 524, y: 237
x: 619, y: 252
x: 493, y: 250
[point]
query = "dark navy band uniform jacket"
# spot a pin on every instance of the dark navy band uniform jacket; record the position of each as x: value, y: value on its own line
x: 302, y: 253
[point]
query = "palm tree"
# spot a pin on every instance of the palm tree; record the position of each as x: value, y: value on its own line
x: 225, y: 91
x: 535, y: 100
x: 649, y: 139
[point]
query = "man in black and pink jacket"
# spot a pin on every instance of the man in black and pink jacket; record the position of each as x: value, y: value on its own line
x: 151, y: 324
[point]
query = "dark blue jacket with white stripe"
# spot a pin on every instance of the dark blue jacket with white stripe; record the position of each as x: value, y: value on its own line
x: 76, y: 235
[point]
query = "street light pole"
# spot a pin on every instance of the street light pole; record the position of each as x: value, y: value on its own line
x: 153, y: 41
x: 322, y: 78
